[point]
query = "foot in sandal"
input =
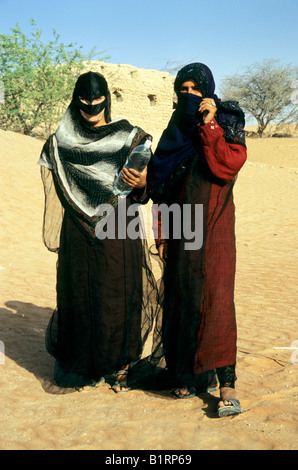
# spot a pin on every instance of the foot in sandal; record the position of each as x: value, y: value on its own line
x: 120, y: 386
x: 229, y: 405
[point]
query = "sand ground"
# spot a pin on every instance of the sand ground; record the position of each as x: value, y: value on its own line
x: 35, y: 417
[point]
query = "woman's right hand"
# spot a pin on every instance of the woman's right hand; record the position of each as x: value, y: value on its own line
x: 163, y: 252
x: 134, y: 178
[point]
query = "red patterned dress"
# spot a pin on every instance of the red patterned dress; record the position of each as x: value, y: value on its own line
x: 199, y: 314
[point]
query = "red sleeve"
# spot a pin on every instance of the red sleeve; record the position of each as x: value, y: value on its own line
x: 224, y: 160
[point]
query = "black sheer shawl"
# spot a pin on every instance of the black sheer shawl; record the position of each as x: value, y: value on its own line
x: 108, y: 307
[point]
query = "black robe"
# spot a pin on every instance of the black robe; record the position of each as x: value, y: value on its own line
x: 106, y: 292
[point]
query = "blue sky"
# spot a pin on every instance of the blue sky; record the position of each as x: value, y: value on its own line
x: 225, y: 34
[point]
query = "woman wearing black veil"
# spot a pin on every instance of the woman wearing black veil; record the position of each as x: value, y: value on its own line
x: 106, y: 293
x: 195, y: 164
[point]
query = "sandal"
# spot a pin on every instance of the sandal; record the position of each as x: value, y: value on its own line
x: 231, y: 409
x: 91, y: 386
x: 191, y: 392
x: 120, y: 386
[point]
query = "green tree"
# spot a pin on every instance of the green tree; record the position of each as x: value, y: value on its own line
x: 38, y: 79
x: 264, y: 92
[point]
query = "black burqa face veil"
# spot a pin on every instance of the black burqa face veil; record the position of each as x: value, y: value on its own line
x: 89, y: 86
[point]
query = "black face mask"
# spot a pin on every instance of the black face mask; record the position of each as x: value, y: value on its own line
x: 91, y: 109
x: 90, y: 86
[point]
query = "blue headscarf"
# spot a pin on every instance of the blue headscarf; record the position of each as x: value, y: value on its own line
x: 201, y: 74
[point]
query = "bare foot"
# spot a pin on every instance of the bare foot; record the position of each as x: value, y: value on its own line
x: 88, y: 388
x: 85, y: 388
x: 228, y: 404
x: 225, y: 394
x: 185, y: 392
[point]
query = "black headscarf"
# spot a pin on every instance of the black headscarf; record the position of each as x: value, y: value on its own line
x: 92, y: 85
x: 180, y: 139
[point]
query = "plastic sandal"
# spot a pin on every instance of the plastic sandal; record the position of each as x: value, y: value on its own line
x: 121, y: 385
x: 90, y: 387
x: 191, y: 392
x: 229, y: 410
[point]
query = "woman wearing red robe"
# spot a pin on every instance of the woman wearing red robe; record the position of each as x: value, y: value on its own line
x: 195, y: 165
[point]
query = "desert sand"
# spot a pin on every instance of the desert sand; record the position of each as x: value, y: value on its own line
x: 37, y: 415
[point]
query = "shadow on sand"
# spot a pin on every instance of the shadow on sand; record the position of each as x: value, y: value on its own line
x: 23, y: 334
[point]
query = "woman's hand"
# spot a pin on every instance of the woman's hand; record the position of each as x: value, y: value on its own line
x: 134, y: 178
x: 163, y: 252
x: 208, y: 108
